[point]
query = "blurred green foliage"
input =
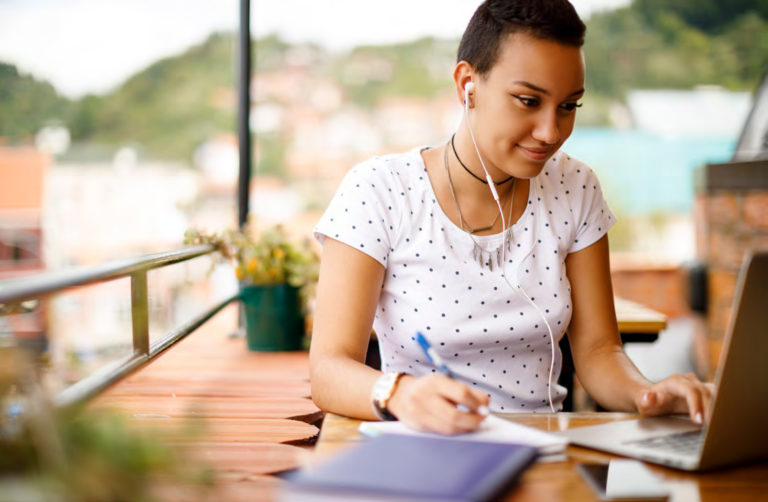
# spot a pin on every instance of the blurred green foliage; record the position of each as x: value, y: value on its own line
x: 27, y: 104
x: 270, y: 160
x: 666, y: 44
x: 706, y: 15
x: 420, y: 68
x: 82, y: 455
x: 168, y: 108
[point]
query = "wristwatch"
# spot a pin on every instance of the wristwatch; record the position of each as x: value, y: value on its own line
x: 383, y: 390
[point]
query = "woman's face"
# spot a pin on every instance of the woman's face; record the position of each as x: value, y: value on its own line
x: 525, y: 106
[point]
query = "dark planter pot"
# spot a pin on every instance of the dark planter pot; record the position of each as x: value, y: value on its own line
x: 273, y: 320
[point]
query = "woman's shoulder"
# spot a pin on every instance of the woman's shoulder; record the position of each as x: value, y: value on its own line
x: 390, y: 166
x: 563, y: 165
x: 568, y: 183
x: 384, y: 178
x: 565, y: 176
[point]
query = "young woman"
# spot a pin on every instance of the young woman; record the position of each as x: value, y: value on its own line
x: 492, y: 245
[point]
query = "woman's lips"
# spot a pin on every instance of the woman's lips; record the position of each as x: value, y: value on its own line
x: 534, y: 153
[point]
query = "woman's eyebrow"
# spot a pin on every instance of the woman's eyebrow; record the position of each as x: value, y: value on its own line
x: 536, y: 88
x: 531, y: 86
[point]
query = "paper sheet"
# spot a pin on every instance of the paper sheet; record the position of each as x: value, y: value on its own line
x: 493, y: 429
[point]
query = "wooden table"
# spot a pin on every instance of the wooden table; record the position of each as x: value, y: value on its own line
x: 560, y: 481
x: 254, y: 409
x: 638, y: 322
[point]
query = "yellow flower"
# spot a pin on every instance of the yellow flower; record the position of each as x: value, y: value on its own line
x: 265, y: 258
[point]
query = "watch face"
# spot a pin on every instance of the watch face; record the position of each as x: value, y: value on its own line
x: 382, y: 391
x: 383, y: 386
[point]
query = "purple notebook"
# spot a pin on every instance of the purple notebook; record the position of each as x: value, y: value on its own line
x: 391, y: 467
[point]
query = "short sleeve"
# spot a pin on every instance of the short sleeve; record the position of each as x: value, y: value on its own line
x: 592, y: 215
x: 363, y: 213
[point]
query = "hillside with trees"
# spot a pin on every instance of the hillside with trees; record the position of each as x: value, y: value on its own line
x: 170, y: 107
x: 27, y: 104
x: 677, y: 44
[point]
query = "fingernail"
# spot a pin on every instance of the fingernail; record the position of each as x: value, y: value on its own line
x: 646, y: 398
x: 697, y: 419
x: 483, y: 410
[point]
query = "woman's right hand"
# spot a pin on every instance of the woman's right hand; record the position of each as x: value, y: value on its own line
x: 431, y: 403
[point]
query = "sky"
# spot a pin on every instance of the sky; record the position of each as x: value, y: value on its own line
x: 91, y: 46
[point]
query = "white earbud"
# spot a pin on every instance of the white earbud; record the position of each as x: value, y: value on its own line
x: 470, y: 87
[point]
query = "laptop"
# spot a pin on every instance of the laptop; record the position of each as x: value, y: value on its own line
x: 736, y: 432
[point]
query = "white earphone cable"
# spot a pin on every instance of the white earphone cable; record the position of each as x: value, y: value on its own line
x: 519, y: 289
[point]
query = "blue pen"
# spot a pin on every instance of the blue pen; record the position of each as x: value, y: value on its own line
x: 434, y: 358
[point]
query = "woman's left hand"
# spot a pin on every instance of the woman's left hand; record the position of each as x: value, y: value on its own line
x: 677, y: 394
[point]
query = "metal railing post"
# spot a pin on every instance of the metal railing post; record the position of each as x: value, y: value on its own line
x: 140, y: 313
x: 244, y: 112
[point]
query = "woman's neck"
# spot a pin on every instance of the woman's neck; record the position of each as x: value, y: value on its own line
x: 467, y: 171
x: 477, y: 205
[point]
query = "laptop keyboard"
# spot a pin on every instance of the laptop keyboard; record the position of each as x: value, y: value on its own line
x: 683, y: 442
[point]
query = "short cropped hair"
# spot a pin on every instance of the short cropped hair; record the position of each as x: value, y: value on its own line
x: 493, y: 20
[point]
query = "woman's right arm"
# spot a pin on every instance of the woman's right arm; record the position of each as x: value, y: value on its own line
x: 347, y: 296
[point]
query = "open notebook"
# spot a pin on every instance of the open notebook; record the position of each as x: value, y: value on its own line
x: 492, y: 430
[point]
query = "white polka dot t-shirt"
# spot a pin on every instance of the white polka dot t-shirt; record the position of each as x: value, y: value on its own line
x: 489, y: 335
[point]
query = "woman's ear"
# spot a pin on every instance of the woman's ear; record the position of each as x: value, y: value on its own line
x: 463, y: 75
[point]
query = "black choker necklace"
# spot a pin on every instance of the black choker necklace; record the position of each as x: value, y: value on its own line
x: 478, y: 178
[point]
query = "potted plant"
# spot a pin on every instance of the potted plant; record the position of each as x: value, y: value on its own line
x: 277, y: 277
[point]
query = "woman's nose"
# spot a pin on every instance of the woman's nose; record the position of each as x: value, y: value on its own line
x: 546, y: 128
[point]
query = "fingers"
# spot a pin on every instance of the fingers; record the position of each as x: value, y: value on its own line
x: 445, y: 417
x: 436, y: 403
x: 462, y: 395
x: 448, y: 406
x: 678, y: 394
x: 648, y: 404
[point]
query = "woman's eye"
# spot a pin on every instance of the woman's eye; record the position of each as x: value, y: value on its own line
x: 527, y: 101
x: 569, y: 107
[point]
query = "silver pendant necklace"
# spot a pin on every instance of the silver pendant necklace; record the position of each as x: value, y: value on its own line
x: 483, y: 256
